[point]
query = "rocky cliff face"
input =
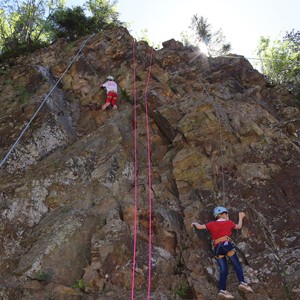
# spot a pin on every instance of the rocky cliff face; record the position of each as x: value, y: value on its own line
x: 219, y: 134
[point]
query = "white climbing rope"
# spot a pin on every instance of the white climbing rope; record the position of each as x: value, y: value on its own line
x: 43, y: 102
x: 218, y: 114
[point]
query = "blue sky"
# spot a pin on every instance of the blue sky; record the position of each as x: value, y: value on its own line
x: 243, y: 22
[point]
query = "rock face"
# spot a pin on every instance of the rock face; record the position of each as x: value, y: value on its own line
x: 219, y: 135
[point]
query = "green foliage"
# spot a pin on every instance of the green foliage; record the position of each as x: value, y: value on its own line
x: 125, y: 96
x: 202, y: 29
x: 70, y: 23
x: 173, y: 88
x: 144, y: 36
x: 73, y: 22
x: 185, y: 39
x: 214, y: 41
x: 8, y: 82
x: 103, y: 13
x: 280, y: 60
x: 79, y: 284
x: 70, y: 46
x: 41, y: 276
x: 65, y: 209
x: 22, y: 25
x: 26, y: 25
x: 184, y: 291
x: 23, y: 93
x: 3, y: 71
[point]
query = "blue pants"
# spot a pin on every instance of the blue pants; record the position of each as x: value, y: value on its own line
x: 223, y: 249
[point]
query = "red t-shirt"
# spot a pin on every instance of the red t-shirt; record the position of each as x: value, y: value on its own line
x: 218, y: 229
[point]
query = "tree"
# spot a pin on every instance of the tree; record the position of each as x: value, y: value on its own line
x: 3, y: 28
x: 214, y: 41
x: 103, y: 13
x: 26, y: 25
x: 69, y: 23
x: 280, y: 60
x: 74, y: 22
x: 22, y: 25
x: 185, y: 39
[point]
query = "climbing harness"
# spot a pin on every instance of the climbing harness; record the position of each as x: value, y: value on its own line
x: 43, y: 102
x: 216, y: 244
x: 221, y: 239
x: 229, y: 253
x: 224, y: 239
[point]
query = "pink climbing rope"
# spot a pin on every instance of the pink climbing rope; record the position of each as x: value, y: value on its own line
x: 135, y: 173
x: 149, y: 178
x: 135, y: 176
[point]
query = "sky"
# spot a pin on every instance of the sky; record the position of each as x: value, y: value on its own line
x: 243, y: 22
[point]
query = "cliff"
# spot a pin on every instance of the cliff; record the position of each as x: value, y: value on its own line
x: 219, y: 134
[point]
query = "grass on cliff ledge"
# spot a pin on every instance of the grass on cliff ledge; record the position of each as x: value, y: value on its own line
x: 184, y: 291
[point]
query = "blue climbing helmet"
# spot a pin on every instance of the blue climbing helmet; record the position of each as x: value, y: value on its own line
x: 219, y: 210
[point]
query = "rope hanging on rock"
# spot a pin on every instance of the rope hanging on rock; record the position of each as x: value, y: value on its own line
x: 149, y: 177
x: 135, y: 174
x: 261, y: 59
x: 43, y: 102
x: 135, y: 171
x: 220, y: 137
x: 87, y: 61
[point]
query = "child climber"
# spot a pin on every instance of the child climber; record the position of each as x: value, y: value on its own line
x: 221, y: 230
x: 112, y: 93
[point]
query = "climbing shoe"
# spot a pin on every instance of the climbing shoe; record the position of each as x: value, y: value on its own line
x: 243, y: 286
x: 115, y: 107
x: 224, y: 295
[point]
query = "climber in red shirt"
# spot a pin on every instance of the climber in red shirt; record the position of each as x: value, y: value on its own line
x: 221, y: 230
x: 112, y: 93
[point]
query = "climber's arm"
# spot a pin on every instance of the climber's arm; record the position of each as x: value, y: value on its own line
x: 239, y: 225
x: 198, y: 226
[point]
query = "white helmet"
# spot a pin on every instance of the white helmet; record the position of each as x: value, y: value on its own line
x: 109, y: 78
